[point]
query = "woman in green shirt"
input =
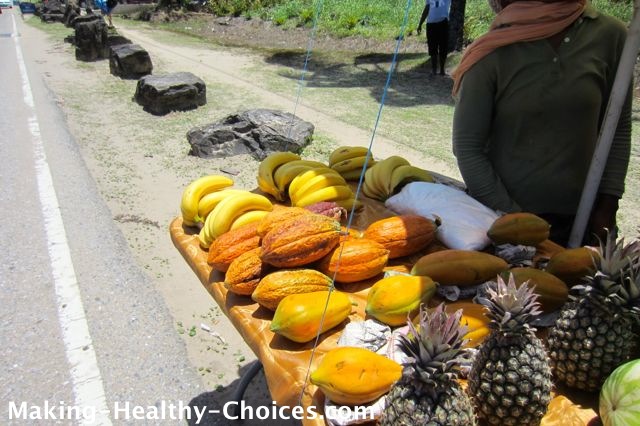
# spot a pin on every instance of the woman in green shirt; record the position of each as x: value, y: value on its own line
x: 530, y: 99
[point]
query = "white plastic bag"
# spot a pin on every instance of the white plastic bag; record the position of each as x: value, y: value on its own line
x: 465, y: 221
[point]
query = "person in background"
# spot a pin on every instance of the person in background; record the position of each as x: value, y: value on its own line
x: 436, y: 13
x: 531, y: 96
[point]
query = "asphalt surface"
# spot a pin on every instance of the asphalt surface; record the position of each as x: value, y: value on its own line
x: 138, y: 358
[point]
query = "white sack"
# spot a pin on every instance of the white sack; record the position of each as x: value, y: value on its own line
x: 465, y: 221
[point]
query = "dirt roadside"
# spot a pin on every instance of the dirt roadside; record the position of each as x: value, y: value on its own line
x: 141, y: 166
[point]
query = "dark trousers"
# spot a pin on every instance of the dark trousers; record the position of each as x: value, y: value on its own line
x: 438, y: 43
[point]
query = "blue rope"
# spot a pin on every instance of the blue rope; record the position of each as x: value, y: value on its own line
x: 310, y: 43
x: 360, y: 181
x: 394, y: 61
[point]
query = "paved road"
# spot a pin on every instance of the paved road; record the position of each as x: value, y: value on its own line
x: 81, y: 326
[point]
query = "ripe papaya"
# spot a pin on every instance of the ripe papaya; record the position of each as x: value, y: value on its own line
x: 392, y: 300
x: 355, y: 376
x: 519, y: 228
x: 298, y: 316
x: 459, y: 267
x: 473, y: 316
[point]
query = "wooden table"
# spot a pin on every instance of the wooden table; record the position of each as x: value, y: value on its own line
x: 286, y: 363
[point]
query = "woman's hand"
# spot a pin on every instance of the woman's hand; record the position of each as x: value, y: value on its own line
x: 603, y: 218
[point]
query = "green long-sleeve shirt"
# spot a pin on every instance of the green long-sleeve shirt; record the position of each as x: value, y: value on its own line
x: 528, y: 116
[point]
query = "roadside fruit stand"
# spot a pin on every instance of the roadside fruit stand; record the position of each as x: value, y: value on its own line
x: 260, y: 270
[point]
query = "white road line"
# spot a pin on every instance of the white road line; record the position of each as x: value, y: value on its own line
x: 88, y: 389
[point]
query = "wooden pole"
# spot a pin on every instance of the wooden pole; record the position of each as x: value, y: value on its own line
x: 609, y: 125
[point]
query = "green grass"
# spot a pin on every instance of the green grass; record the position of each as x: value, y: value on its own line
x: 377, y: 19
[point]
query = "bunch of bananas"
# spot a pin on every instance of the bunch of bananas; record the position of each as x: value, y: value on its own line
x: 305, y: 182
x: 321, y: 184
x: 231, y: 209
x: 195, y: 191
x: 382, y: 180
x: 277, y: 170
x: 349, y: 160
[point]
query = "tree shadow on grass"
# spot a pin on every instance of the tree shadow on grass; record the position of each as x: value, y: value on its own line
x: 411, y: 84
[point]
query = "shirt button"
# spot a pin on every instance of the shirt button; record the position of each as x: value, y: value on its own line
x: 555, y: 59
x: 566, y: 39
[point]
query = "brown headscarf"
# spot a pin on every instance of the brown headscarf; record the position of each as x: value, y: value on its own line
x: 519, y: 21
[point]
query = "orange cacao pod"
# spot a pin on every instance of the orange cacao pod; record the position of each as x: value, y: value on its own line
x: 300, y: 241
x: 245, y: 273
x: 276, y: 285
x: 355, y: 259
x: 402, y: 235
x: 277, y: 216
x: 232, y: 244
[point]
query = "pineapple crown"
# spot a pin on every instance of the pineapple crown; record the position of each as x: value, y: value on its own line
x: 511, y: 308
x: 436, y: 349
x: 616, y: 282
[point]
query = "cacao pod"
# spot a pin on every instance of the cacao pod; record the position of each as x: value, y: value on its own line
x: 519, y: 228
x: 245, y: 273
x: 298, y: 316
x: 276, y: 285
x: 300, y: 241
x: 355, y: 376
x: 402, y: 235
x: 277, y: 216
x: 231, y: 244
x: 355, y: 260
x: 459, y: 267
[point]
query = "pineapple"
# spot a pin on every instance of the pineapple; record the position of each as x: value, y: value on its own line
x: 510, y: 379
x: 594, y: 332
x: 428, y: 392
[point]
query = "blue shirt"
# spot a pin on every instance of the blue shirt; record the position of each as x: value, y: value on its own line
x: 438, y: 10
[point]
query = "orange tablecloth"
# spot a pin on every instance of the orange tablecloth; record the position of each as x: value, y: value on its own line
x: 286, y: 363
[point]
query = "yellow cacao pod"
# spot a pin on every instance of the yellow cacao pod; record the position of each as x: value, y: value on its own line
x: 552, y: 291
x: 298, y: 316
x: 276, y: 285
x: 355, y: 376
x: 519, y: 228
x: 395, y: 299
x: 573, y: 264
x: 354, y: 259
x: 459, y: 267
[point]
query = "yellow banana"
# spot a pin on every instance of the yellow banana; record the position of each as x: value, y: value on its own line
x: 353, y: 174
x: 382, y: 174
x: 230, y: 208
x: 346, y: 152
x: 410, y: 173
x: 248, y: 217
x: 370, y: 189
x: 330, y: 193
x: 267, y: 168
x: 349, y: 204
x: 304, y: 177
x: 315, y: 184
x: 211, y: 200
x: 287, y: 172
x: 195, y: 191
x: 350, y: 164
